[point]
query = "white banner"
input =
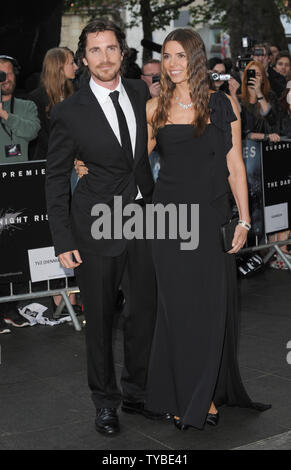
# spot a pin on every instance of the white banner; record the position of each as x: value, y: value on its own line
x: 45, y: 265
x: 276, y: 217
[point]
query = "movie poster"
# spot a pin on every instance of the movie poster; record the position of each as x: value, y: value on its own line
x: 276, y: 163
x: 252, y: 160
x: 23, y: 217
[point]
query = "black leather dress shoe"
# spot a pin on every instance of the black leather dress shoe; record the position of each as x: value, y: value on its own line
x: 106, y: 421
x: 180, y: 425
x: 212, y: 419
x: 138, y: 408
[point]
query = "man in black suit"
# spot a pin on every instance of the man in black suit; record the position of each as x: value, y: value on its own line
x: 104, y: 124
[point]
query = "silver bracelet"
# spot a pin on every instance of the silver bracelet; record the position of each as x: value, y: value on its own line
x: 244, y: 224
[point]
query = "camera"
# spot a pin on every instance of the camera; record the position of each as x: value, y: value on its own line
x: 2, y: 76
x: 243, y: 62
x: 245, y: 58
x: 155, y: 79
x: 223, y: 77
x: 258, y: 51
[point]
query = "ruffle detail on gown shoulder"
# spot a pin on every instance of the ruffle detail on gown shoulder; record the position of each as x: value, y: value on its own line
x: 221, y: 115
x: 221, y: 112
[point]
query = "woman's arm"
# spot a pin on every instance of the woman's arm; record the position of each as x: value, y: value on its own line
x: 265, y: 106
x: 238, y: 181
x: 256, y: 136
x: 234, y: 85
x: 150, y: 110
x: 273, y: 137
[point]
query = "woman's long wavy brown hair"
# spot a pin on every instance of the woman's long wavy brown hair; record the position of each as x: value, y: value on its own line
x: 198, y: 81
x: 53, y: 78
x: 283, y: 101
x: 245, y: 94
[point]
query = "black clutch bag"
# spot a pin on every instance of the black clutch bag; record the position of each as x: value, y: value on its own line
x: 227, y: 233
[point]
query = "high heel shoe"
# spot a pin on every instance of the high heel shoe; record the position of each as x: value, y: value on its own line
x: 179, y: 424
x: 212, y: 419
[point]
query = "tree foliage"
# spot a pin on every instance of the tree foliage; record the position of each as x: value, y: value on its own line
x: 160, y: 13
x: 258, y: 19
x: 151, y: 14
x: 217, y: 11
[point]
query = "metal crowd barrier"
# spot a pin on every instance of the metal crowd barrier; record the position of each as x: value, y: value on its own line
x: 63, y: 291
x: 272, y: 247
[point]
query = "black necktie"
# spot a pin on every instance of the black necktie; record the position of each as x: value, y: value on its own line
x: 123, y: 129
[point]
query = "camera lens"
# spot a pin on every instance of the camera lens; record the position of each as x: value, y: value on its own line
x: 215, y: 76
x: 2, y: 76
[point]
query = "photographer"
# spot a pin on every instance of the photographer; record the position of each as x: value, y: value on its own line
x: 230, y: 86
x: 150, y: 73
x: 262, y: 53
x: 260, y: 109
x: 216, y: 65
x: 19, y: 125
x: 18, y: 118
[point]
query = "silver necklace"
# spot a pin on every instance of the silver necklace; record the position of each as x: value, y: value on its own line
x: 184, y: 106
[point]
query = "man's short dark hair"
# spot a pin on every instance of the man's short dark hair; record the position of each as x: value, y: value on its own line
x: 149, y: 61
x: 283, y: 54
x: 275, y: 45
x: 99, y: 26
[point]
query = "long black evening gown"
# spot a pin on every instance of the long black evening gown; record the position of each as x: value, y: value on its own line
x: 194, y: 352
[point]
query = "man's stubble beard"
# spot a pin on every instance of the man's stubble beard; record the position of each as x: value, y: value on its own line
x: 10, y: 90
x: 106, y: 76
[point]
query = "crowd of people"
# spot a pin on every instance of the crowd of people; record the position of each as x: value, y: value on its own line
x: 262, y: 91
x: 108, y: 123
x: 264, y: 100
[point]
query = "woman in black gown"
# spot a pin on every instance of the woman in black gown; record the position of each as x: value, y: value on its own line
x: 194, y: 367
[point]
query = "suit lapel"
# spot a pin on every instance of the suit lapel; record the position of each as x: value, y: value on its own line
x: 88, y: 98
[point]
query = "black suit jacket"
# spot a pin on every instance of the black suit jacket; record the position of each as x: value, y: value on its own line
x: 80, y: 129
x: 40, y: 144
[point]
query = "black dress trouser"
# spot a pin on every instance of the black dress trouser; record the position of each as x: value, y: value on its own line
x: 99, y: 278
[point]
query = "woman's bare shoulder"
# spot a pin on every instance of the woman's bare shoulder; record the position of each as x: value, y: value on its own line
x: 151, y: 108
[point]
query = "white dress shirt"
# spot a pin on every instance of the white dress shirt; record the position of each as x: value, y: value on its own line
x: 102, y: 95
